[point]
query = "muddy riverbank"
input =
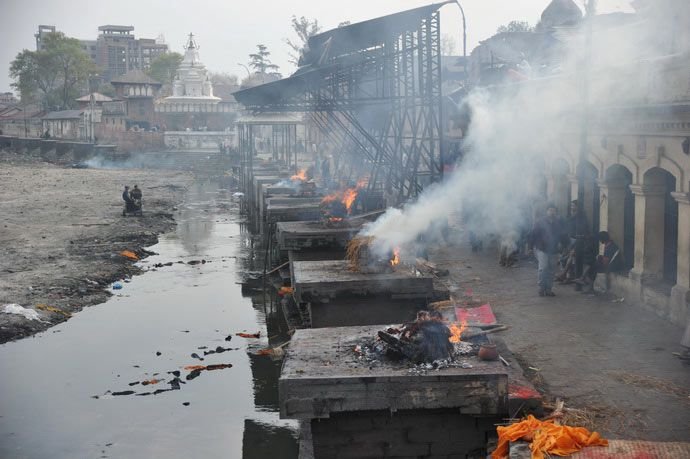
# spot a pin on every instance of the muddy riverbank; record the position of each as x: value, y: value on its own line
x: 63, y: 231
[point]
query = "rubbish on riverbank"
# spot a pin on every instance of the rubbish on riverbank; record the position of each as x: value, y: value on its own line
x: 219, y: 350
x: 117, y: 286
x: 29, y: 314
x: 249, y: 335
x: 124, y: 392
x: 130, y: 255
x: 196, y: 372
x: 45, y: 307
x: 274, y: 352
x: 194, y: 367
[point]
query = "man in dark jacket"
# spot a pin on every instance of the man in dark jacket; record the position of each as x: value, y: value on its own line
x: 129, y: 202
x: 545, y: 240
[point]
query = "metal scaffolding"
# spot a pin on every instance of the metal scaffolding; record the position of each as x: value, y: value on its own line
x: 373, y: 89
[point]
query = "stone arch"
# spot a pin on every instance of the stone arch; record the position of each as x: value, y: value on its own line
x: 660, y: 226
x: 618, y: 210
x: 631, y: 165
x: 592, y: 194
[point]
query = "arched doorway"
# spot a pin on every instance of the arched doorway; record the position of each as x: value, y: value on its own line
x: 661, y: 227
x: 621, y: 211
x: 592, y: 195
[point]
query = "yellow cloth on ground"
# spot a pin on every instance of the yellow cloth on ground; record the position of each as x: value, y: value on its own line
x: 546, y: 437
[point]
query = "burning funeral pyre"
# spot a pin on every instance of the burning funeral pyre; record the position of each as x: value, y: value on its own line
x: 424, y: 344
x: 364, y: 259
x: 303, y: 184
x: 336, y: 207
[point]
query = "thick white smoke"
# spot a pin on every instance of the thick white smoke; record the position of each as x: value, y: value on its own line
x: 517, y: 128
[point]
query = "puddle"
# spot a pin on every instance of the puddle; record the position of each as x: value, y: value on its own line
x: 57, y: 391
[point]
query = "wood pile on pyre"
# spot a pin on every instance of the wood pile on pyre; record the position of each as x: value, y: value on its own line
x: 337, y: 206
x: 303, y: 183
x: 426, y: 340
x: 364, y: 259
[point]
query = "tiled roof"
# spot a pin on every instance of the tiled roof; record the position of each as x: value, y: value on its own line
x: 135, y: 76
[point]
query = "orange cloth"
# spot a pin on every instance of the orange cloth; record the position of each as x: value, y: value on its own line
x: 546, y: 437
x: 129, y: 254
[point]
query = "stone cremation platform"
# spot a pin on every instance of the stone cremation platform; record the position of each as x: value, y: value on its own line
x: 324, y: 281
x: 307, y: 235
x: 351, y: 406
x: 292, y: 209
x: 323, y: 374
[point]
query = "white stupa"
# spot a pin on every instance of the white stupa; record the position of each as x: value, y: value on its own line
x: 192, y: 83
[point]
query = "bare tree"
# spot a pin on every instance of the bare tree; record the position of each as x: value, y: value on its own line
x: 447, y: 45
x: 304, y: 28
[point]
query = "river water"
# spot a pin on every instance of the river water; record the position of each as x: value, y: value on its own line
x: 56, y: 388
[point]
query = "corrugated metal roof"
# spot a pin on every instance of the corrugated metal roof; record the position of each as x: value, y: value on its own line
x: 365, y: 34
x: 64, y: 115
x: 330, y: 50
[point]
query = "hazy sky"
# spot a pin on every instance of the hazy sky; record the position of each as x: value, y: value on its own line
x: 228, y: 30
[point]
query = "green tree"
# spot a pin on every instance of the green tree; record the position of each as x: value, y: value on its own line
x: 55, y: 75
x: 260, y: 62
x: 515, y: 26
x: 164, y: 67
x: 304, y: 28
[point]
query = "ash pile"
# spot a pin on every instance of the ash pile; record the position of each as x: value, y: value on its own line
x: 426, y: 344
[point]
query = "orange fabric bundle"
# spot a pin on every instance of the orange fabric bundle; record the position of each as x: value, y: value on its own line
x: 546, y: 437
x: 129, y: 254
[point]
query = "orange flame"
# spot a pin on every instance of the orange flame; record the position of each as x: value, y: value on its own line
x: 456, y: 332
x: 395, y: 261
x: 347, y: 196
x: 301, y: 176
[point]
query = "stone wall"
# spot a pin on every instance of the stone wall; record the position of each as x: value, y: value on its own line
x: 130, y: 141
x: 199, y: 140
x: 403, y: 434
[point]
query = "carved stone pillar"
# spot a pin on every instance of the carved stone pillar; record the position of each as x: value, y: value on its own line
x: 649, y: 230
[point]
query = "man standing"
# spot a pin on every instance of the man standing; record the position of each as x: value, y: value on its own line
x: 545, y: 238
x: 128, y: 200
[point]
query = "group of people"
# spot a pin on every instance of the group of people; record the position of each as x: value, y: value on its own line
x: 569, y: 244
x: 132, y: 199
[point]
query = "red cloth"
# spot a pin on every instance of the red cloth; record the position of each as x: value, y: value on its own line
x: 481, y: 315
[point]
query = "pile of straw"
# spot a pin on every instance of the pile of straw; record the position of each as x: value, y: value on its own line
x: 354, y: 247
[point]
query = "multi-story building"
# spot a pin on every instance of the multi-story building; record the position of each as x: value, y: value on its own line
x: 116, y: 50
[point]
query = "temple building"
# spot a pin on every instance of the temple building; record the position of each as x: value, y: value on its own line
x: 192, y: 116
